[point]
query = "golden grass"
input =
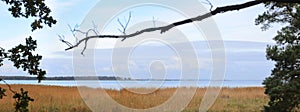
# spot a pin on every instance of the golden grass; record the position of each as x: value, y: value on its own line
x: 68, y: 99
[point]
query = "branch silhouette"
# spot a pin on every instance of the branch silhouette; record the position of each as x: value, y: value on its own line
x: 166, y: 28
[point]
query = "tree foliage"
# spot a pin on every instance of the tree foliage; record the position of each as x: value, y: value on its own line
x: 2, y: 92
x: 22, y: 56
x: 283, y: 86
x: 22, y: 101
x: 31, y: 8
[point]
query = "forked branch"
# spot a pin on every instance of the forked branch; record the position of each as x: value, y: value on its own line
x: 163, y: 29
x: 124, y: 26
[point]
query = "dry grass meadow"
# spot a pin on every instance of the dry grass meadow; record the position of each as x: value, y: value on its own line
x: 68, y: 99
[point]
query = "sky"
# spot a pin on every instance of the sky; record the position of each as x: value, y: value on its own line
x: 237, y: 25
x: 233, y: 26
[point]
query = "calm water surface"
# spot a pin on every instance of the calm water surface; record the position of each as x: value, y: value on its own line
x: 114, y: 84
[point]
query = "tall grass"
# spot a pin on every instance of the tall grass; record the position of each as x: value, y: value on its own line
x: 68, y: 99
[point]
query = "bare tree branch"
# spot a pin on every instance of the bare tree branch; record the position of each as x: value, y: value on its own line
x: 124, y: 27
x: 154, y: 21
x: 95, y: 27
x: 163, y: 29
x: 62, y: 39
x: 9, y: 87
x: 207, y: 2
x: 74, y: 31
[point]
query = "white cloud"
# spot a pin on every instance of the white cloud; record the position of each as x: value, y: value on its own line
x: 107, y: 69
x: 58, y: 6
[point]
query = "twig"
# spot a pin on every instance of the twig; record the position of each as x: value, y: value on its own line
x: 95, y: 27
x: 9, y: 87
x: 74, y: 31
x: 124, y: 27
x: 154, y: 21
x: 62, y: 39
x: 210, y: 4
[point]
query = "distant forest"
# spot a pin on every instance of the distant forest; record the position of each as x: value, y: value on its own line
x: 64, y: 78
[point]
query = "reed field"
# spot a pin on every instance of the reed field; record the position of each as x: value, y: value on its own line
x: 68, y: 99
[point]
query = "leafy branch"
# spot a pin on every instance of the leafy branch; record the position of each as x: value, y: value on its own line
x: 36, y: 9
x: 23, y: 58
x: 22, y: 99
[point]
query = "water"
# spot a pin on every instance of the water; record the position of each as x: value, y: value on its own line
x: 114, y: 84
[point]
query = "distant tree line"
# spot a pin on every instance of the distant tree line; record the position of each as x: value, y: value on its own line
x: 65, y: 78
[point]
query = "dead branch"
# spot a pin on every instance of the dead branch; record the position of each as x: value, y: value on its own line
x: 154, y: 21
x: 207, y: 2
x: 124, y: 27
x: 163, y: 29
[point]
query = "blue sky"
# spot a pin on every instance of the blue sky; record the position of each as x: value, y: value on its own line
x: 237, y: 25
x: 233, y: 26
x: 65, y: 11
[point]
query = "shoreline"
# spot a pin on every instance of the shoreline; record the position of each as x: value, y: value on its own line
x: 128, y: 87
x: 122, y: 88
x: 115, y: 84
